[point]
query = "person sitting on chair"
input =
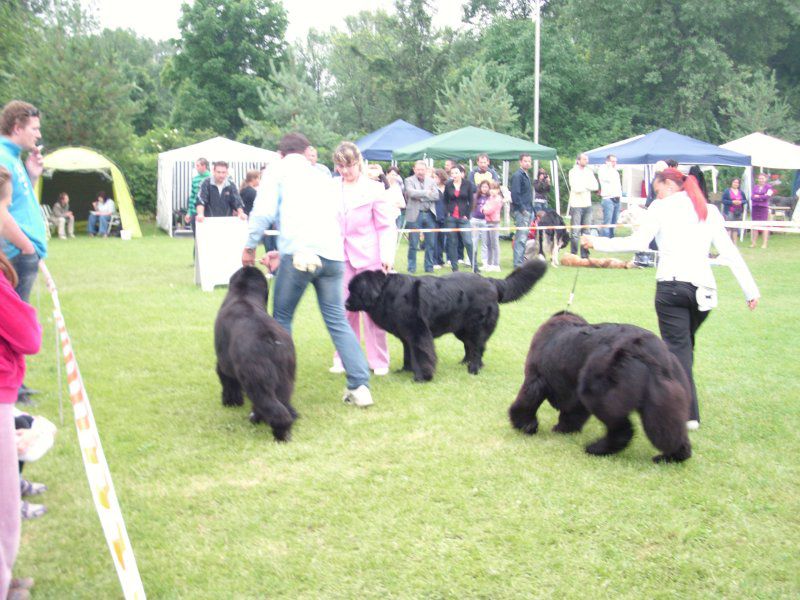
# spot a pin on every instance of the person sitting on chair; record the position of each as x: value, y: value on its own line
x: 100, y: 216
x: 63, y: 217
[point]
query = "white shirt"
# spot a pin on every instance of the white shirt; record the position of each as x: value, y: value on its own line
x: 683, y: 244
x: 581, y: 183
x: 300, y: 197
x: 610, y: 184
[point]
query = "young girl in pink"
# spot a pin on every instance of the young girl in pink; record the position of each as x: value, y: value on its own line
x: 20, y: 334
x: 491, y: 211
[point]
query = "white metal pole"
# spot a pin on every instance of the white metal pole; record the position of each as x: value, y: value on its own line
x: 536, y: 15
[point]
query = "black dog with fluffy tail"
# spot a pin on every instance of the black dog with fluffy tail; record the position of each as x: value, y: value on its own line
x: 607, y: 370
x: 255, y: 354
x: 419, y: 309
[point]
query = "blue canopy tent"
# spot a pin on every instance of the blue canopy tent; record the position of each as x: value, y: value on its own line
x: 379, y: 144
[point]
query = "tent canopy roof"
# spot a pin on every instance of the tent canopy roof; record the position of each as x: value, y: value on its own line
x: 219, y: 148
x: 663, y: 144
x: 379, y: 144
x: 767, y: 151
x: 471, y: 141
x: 76, y: 158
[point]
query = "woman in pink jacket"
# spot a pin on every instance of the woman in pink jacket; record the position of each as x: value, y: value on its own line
x: 20, y: 334
x: 370, y: 240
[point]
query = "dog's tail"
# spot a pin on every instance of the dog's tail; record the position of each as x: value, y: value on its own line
x: 520, y: 281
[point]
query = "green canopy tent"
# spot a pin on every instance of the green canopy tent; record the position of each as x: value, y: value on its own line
x: 469, y: 142
x: 79, y: 160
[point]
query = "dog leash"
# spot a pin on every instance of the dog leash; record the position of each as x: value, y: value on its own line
x: 572, y: 293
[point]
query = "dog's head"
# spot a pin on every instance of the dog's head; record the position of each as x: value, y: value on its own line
x: 249, y: 282
x: 365, y: 290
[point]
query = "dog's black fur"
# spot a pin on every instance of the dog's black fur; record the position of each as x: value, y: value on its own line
x: 607, y: 370
x: 255, y: 354
x: 550, y: 240
x: 419, y: 309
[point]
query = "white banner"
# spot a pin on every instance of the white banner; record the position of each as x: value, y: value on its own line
x: 218, y: 251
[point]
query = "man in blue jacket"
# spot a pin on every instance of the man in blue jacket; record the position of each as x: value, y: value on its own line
x: 521, y: 206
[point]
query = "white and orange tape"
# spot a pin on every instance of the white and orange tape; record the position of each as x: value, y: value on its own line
x: 94, y: 461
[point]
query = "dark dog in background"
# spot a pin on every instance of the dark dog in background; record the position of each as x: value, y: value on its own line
x: 608, y: 370
x: 419, y: 309
x: 548, y: 241
x: 255, y: 354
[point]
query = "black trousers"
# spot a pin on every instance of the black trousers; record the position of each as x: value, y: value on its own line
x: 678, y: 320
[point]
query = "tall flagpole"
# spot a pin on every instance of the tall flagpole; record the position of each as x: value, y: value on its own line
x: 536, y: 17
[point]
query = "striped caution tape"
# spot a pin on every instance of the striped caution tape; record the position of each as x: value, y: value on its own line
x: 94, y: 461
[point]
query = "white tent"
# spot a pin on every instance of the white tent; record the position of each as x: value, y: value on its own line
x: 767, y: 151
x: 176, y: 169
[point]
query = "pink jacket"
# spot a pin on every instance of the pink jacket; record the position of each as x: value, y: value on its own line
x: 492, y: 208
x: 20, y: 334
x: 370, y: 235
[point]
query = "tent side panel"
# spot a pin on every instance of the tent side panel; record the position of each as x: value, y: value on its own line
x: 122, y: 194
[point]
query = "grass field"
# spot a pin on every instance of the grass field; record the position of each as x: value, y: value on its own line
x: 430, y: 493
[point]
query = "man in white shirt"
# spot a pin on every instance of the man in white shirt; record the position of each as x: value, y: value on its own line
x: 610, y: 192
x: 312, y: 156
x: 581, y: 183
x: 310, y: 251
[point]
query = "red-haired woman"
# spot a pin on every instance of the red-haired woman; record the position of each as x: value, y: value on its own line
x: 684, y: 227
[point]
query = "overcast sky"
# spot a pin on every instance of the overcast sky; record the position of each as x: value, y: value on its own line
x: 158, y: 19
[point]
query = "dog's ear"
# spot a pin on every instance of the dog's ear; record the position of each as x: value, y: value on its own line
x: 249, y: 281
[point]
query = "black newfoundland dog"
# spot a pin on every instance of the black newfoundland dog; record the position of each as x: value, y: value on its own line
x: 419, y: 309
x: 606, y: 370
x: 255, y: 354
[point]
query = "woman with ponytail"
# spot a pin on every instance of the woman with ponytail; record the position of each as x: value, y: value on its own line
x: 684, y: 226
x: 20, y: 334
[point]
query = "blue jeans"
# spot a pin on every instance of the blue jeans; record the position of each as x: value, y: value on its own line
x: 98, y: 224
x: 328, y: 283
x: 27, y: 268
x: 610, y: 216
x: 522, y: 218
x: 425, y: 220
x: 441, y: 244
x: 579, y: 216
x: 464, y: 234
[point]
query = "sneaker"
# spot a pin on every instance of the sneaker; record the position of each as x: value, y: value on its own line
x: 360, y: 397
x: 381, y: 371
x: 31, y: 488
x: 337, y: 369
x: 25, y: 400
x: 18, y: 594
x: 437, y: 267
x: 32, y: 511
x: 692, y: 425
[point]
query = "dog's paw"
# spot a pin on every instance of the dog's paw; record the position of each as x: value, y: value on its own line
x: 530, y: 428
x: 562, y: 428
x: 423, y: 377
x: 473, y: 369
x: 254, y: 418
x: 599, y: 448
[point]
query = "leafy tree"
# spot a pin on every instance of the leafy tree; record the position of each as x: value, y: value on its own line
x: 479, y: 100
x: 223, y: 58
x: 480, y: 12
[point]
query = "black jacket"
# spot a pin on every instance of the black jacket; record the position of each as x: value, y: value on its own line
x: 464, y: 200
x: 216, y: 204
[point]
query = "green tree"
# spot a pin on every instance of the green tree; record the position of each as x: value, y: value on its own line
x: 223, y: 58
x: 479, y: 100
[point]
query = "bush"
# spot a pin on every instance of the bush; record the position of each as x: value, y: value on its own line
x: 141, y: 171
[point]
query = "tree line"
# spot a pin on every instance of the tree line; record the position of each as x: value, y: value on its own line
x: 712, y: 69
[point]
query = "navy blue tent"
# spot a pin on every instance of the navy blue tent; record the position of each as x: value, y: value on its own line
x: 379, y: 144
x: 663, y: 144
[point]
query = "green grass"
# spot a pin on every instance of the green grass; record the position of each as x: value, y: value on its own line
x: 430, y: 493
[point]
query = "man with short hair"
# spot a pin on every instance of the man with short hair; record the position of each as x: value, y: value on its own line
x: 581, y: 183
x: 310, y: 251
x: 63, y: 217
x: 201, y: 166
x: 312, y: 156
x: 421, y: 196
x: 219, y: 196
x: 521, y: 207
x: 484, y: 171
x: 610, y: 192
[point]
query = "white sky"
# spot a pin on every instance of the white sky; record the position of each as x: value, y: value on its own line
x: 158, y: 19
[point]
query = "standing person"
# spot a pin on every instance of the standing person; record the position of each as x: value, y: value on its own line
x: 483, y: 171
x: 491, y: 211
x: 685, y: 226
x: 541, y: 189
x: 24, y: 240
x: 64, y: 217
x: 20, y: 334
x: 421, y: 197
x: 312, y: 156
x: 521, y: 206
x: 247, y: 192
x: 398, y: 193
x: 219, y: 196
x: 733, y: 204
x: 762, y: 192
x: 458, y: 204
x: 369, y: 244
x: 581, y: 183
x: 201, y: 166
x: 310, y: 251
x: 477, y: 221
x: 441, y: 177
x: 610, y: 192
x: 100, y: 216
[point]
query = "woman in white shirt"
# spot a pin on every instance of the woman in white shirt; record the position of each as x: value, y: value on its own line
x: 684, y: 227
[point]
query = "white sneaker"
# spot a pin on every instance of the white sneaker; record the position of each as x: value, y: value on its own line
x: 692, y: 425
x: 361, y: 397
x: 437, y: 267
x: 337, y: 368
x: 380, y: 371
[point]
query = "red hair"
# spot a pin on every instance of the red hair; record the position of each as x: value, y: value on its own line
x: 689, y: 185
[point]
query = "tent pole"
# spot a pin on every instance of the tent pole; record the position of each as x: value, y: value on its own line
x: 554, y: 174
x: 536, y: 16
